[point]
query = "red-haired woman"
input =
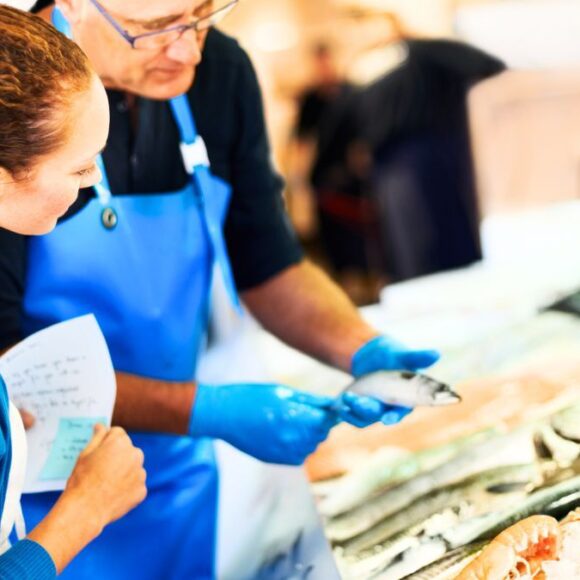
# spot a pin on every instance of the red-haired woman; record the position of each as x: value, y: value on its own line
x: 54, y: 121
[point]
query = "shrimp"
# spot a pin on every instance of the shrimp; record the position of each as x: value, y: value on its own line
x: 567, y: 564
x: 518, y: 552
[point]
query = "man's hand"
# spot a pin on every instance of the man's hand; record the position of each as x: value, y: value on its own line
x: 380, y: 354
x: 27, y: 419
x: 108, y: 476
x: 271, y: 422
x: 383, y: 353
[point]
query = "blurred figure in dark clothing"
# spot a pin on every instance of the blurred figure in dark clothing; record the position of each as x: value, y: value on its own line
x: 416, y: 194
x: 340, y: 227
x: 321, y: 96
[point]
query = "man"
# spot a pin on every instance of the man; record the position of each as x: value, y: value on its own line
x: 139, y: 251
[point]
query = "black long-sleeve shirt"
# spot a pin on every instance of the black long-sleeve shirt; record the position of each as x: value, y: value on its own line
x: 227, y: 106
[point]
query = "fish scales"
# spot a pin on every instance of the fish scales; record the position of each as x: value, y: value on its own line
x: 376, y: 477
x: 482, y: 528
x: 463, y: 491
x: 361, y: 518
x: 370, y: 561
x: 448, y: 567
x: 404, y: 388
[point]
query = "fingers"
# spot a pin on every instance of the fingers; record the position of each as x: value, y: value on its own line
x: 28, y: 419
x: 395, y: 415
x: 418, y: 359
x: 364, y: 411
x: 317, y: 401
x: 99, y: 434
x: 349, y: 417
x: 365, y: 408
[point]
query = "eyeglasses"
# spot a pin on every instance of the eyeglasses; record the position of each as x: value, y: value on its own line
x: 166, y: 36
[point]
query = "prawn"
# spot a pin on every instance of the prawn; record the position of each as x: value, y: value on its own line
x: 567, y: 565
x: 517, y: 552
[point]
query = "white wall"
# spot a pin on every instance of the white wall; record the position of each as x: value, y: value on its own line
x: 524, y: 33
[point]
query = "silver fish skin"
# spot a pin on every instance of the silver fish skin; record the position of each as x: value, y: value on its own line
x: 404, y: 388
x: 364, y: 482
x: 366, y: 564
x: 412, y: 560
x: 379, y: 507
x: 489, y: 526
x: 448, y: 567
x: 482, y: 528
x: 469, y: 490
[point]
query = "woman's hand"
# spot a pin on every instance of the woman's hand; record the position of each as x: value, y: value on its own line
x: 108, y: 481
x: 109, y: 474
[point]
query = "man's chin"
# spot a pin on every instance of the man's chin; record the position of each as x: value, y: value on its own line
x: 164, y: 87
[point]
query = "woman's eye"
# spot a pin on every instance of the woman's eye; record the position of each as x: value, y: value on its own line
x: 85, y: 172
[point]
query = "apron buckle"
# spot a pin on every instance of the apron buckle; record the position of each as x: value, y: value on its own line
x: 194, y: 154
x: 109, y: 218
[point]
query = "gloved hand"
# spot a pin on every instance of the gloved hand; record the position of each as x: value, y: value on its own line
x: 271, y: 422
x: 381, y: 353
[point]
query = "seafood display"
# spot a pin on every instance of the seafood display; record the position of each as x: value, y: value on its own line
x: 537, y: 547
x: 434, y: 523
x: 513, y: 376
x: 404, y: 388
x: 467, y: 491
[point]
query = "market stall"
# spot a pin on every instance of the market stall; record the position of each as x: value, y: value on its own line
x: 393, y: 500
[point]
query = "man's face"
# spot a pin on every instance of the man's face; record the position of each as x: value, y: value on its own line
x: 159, y: 73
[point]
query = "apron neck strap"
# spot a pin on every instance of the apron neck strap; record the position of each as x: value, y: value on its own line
x: 193, y: 150
x: 60, y: 22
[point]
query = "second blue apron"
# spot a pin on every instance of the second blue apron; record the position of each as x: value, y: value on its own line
x: 143, y: 265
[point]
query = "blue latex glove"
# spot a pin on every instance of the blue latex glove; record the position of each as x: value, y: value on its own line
x: 381, y: 353
x: 385, y: 354
x: 273, y: 423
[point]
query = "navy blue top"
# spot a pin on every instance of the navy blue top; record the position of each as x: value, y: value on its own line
x: 27, y: 560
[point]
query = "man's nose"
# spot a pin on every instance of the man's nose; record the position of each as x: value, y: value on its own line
x: 186, y: 49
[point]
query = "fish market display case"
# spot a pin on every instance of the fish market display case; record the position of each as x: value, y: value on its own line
x: 424, y: 498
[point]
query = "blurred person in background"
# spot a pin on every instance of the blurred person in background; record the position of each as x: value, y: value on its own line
x: 401, y: 144
x: 336, y: 221
x: 139, y: 249
x: 54, y: 118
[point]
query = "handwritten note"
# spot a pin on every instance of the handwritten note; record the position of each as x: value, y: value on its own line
x: 72, y: 437
x: 64, y: 376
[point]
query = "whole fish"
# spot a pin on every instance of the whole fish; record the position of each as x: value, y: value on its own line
x: 542, y: 501
x: 366, y: 564
x: 483, y: 528
x: 471, y: 490
x: 404, y: 388
x: 386, y: 470
x: 468, y: 462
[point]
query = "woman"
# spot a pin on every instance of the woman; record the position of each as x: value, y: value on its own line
x: 53, y: 123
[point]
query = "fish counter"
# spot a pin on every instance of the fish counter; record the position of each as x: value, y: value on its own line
x: 455, y: 492
x: 487, y: 488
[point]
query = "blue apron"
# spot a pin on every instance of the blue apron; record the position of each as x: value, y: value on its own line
x: 143, y: 265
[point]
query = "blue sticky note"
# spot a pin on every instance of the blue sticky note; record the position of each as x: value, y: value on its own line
x: 72, y: 437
